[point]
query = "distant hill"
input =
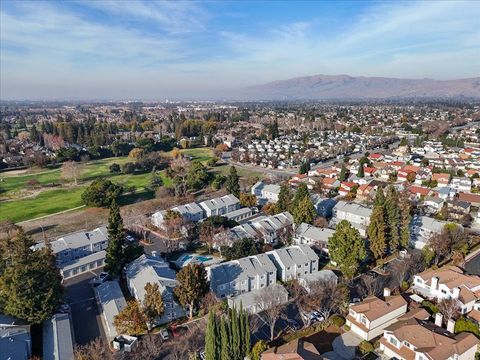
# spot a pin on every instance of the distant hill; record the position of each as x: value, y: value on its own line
x: 318, y: 87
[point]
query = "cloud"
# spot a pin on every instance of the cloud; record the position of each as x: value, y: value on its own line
x: 172, y: 49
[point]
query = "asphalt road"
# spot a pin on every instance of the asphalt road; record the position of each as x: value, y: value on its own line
x: 79, y: 294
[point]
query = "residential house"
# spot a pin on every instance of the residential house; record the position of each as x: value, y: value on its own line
x: 78, y: 245
x: 154, y: 270
x: 267, y: 228
x: 450, y: 282
x: 473, y: 199
x: 266, y: 192
x: 442, y: 179
x: 111, y: 300
x: 15, y: 338
x: 422, y: 228
x: 323, y: 205
x: 346, y: 187
x: 330, y: 183
x: 419, y: 192
x: 312, y: 235
x: 322, y: 276
x: 220, y: 206
x: 463, y: 184
x: 294, y: 261
x: 418, y: 339
x: 192, y: 212
x: 358, y: 215
x: 298, y: 349
x: 457, y: 209
x: 57, y: 338
x: 432, y: 205
x: 370, y: 317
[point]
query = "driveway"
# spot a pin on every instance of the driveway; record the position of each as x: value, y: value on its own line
x: 344, y: 347
x: 86, y: 320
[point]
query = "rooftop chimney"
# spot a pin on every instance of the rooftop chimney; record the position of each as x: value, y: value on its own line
x: 154, y: 253
x: 438, y: 319
x: 451, y: 326
x: 434, y: 283
x: 456, y: 293
x: 387, y: 292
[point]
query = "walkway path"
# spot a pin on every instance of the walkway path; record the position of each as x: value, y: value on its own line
x: 343, y: 347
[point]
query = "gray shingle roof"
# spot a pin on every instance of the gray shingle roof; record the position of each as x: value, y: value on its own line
x: 57, y: 338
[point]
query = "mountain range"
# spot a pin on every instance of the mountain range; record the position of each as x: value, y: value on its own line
x: 337, y: 87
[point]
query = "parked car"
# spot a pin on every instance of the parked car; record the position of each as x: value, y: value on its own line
x: 130, y: 238
x: 164, y: 334
x: 202, y: 355
x: 100, y: 278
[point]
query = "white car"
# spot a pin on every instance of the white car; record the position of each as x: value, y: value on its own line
x: 130, y: 238
x: 100, y: 278
x: 164, y: 334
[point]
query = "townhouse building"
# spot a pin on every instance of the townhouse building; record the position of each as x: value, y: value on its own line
x: 463, y: 184
x: 220, y: 206
x: 312, y: 235
x: 358, y: 215
x: 154, y: 270
x: 450, y: 282
x: 422, y: 228
x: 265, y: 193
x: 294, y: 262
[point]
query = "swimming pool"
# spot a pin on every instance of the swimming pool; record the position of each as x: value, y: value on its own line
x: 196, y: 257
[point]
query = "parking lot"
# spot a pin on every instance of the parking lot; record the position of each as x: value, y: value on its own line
x: 79, y: 294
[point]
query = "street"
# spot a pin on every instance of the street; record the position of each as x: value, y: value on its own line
x: 86, y: 320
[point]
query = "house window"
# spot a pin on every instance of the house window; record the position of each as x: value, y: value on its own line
x: 393, y: 341
x: 363, y: 320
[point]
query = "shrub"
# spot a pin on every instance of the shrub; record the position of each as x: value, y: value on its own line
x: 258, y: 349
x: 466, y: 325
x: 365, y: 347
x: 431, y: 307
x: 405, y: 285
x: 114, y: 168
x: 337, y: 320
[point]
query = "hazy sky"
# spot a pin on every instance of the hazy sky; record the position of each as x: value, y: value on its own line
x: 155, y: 50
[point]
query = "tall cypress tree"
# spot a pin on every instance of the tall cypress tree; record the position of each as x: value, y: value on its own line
x: 211, y: 350
x: 115, y: 259
x: 376, y: 232
x: 247, y: 334
x: 233, y: 182
x: 301, y: 193
x: 236, y: 351
x: 226, y: 351
x: 393, y: 218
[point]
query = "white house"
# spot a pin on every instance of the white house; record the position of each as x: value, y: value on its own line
x: 192, y: 212
x: 463, y: 184
x: 112, y: 302
x: 220, y: 206
x: 422, y: 228
x: 450, y: 282
x: 266, y: 192
x: 370, y: 317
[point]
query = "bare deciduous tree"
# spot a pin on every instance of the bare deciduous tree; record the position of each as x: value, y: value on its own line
x: 71, y: 171
x: 449, y: 308
x: 95, y: 350
x: 271, y: 301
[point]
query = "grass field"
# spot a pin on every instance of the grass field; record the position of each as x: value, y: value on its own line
x: 55, y: 196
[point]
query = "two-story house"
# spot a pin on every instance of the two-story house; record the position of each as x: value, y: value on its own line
x: 422, y: 228
x: 154, y: 270
x: 370, y: 317
x: 450, y: 282
x: 294, y: 261
x: 418, y: 339
x: 266, y: 192
x: 312, y: 235
x: 463, y: 184
x: 358, y: 215
x: 220, y: 206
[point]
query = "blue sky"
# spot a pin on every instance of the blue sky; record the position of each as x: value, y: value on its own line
x: 155, y: 49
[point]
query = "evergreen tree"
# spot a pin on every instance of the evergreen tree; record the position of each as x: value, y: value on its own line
x: 246, y: 330
x: 392, y: 219
x: 226, y: 353
x: 361, y: 171
x: 30, y: 282
x: 34, y: 135
x: 347, y: 248
x: 284, y: 199
x: 343, y: 173
x: 210, y: 337
x: 377, y: 232
x: 115, y: 259
x: 153, y: 306
x: 304, y: 211
x: 301, y: 193
x: 236, y: 349
x: 379, y: 197
x: 192, y: 286
x: 232, y: 183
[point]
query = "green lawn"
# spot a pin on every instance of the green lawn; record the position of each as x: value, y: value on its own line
x: 60, y: 198
x: 48, y: 202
